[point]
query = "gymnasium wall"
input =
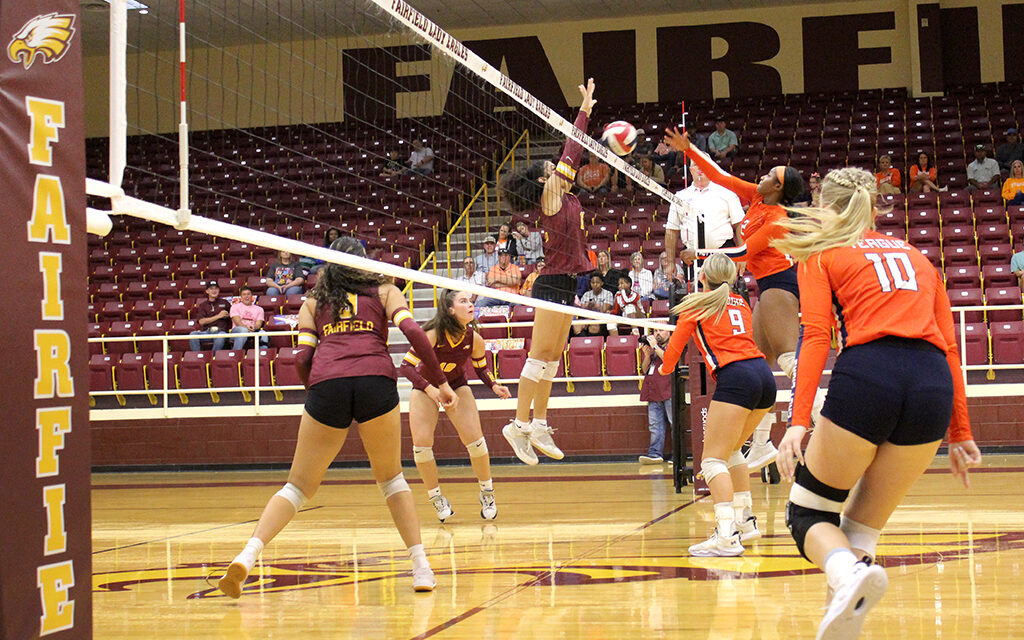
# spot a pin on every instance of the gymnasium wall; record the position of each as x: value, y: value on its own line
x: 834, y: 46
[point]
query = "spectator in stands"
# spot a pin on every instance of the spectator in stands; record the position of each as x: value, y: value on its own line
x: 284, y: 275
x: 814, y: 186
x: 722, y: 213
x: 503, y: 276
x: 421, y: 160
x: 923, y: 174
x: 1012, y: 149
x: 609, y: 276
x: 332, y: 234
x: 595, y: 176
x: 1013, y: 186
x: 627, y: 304
x: 722, y: 144
x: 393, y: 167
x: 651, y: 169
x: 597, y: 298
x: 471, y: 275
x: 488, y: 257
x: 1017, y: 265
x: 247, y: 317
x: 214, y: 316
x: 643, y: 279
x: 662, y: 281
x: 619, y: 179
x: 656, y: 391
x: 529, y: 243
x: 527, y: 288
x: 507, y: 241
x: 887, y: 177
x: 983, y: 173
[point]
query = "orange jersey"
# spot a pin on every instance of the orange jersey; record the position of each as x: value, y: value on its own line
x: 721, y: 340
x: 879, y: 287
x: 758, y: 227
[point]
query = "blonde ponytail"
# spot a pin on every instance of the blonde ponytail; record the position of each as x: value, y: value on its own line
x: 847, y: 212
x: 718, y: 271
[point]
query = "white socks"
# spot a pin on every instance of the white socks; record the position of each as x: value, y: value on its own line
x: 742, y: 504
x: 539, y: 422
x: 418, y: 557
x: 487, y: 485
x: 725, y: 516
x: 522, y: 426
x: 838, y: 563
x: 250, y: 554
x: 433, y: 493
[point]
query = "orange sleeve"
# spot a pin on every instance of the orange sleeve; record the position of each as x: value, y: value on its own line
x: 897, y: 179
x: 960, y: 424
x: 676, y: 344
x: 815, y: 337
x: 762, y: 238
x: 913, y: 171
x: 742, y: 188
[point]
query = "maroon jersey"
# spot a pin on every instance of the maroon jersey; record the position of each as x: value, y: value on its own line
x: 451, y: 356
x: 356, y: 344
x: 565, y: 245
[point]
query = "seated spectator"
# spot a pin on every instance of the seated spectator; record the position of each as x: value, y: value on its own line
x: 247, y: 317
x: 1012, y: 149
x: 471, y: 275
x: 656, y: 391
x: 507, y: 241
x: 923, y: 175
x: 651, y: 169
x: 393, y: 167
x: 1013, y: 186
x: 670, y: 160
x: 983, y: 173
x: 529, y: 243
x: 284, y: 275
x: 596, y: 299
x: 488, y: 257
x: 627, y: 304
x: 662, y: 283
x: 332, y: 234
x: 887, y: 177
x: 643, y: 279
x: 214, y: 316
x: 722, y: 144
x: 1017, y: 265
x: 527, y: 288
x: 503, y: 276
x: 595, y: 176
x: 609, y: 276
x: 421, y: 160
x: 619, y: 178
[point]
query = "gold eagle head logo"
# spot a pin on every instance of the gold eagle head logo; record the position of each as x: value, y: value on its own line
x: 46, y: 35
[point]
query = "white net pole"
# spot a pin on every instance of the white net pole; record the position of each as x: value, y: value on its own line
x: 183, y: 210
x: 118, y: 144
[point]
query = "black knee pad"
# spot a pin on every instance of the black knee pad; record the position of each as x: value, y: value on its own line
x: 812, y: 501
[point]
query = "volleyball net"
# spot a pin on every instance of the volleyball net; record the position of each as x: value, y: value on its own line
x: 289, y: 118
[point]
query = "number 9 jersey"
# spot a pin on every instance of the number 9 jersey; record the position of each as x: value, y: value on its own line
x: 722, y: 340
x: 879, y: 287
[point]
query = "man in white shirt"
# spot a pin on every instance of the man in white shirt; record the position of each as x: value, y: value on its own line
x: 421, y: 160
x: 983, y: 173
x: 722, y: 216
x: 471, y: 275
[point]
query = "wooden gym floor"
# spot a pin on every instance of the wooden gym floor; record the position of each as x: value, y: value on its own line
x: 577, y: 551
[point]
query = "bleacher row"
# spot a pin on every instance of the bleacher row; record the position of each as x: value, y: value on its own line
x: 188, y: 371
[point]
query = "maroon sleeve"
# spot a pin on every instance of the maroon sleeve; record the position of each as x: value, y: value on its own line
x: 411, y: 373
x: 572, y: 151
x: 420, y: 343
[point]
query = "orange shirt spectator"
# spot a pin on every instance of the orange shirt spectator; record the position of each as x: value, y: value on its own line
x: 593, y: 175
x: 887, y: 178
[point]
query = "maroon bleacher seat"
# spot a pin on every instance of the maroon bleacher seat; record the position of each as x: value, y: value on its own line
x: 121, y: 329
x: 976, y: 341
x: 959, y: 256
x: 229, y: 286
x: 957, y: 235
x: 963, y: 277
x: 489, y: 332
x: 993, y: 233
x: 193, y: 370
x: 217, y: 269
x: 585, y: 356
x: 101, y: 372
x: 181, y: 326
x: 145, y: 310
x: 271, y: 304
x: 924, y: 236
x: 922, y: 216
x: 510, y: 363
x: 108, y: 291
x: 155, y: 371
x: 958, y: 214
x: 995, y: 253
x: 130, y: 371
x: 621, y: 355
x: 275, y: 338
x: 188, y: 270
x: 113, y: 310
x: 155, y: 254
x: 102, y: 273
x: 1008, y: 342
x: 96, y: 330
x: 284, y: 368
x: 998, y: 275
x: 966, y: 298
x: 249, y: 366
x: 1003, y: 296
x: 521, y: 313
x: 153, y: 328
x: 987, y: 213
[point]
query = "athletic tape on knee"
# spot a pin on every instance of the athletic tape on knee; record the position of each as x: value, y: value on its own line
x: 711, y: 467
x: 811, y: 501
x: 533, y: 369
x: 551, y: 369
x: 861, y: 536
x: 393, y: 486
x: 477, y: 449
x: 787, y: 362
x: 292, y: 494
x: 422, y: 454
x: 736, y: 460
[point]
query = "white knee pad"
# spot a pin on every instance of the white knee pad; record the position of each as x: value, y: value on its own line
x: 477, y: 449
x: 422, y: 454
x: 860, y: 535
x: 292, y: 494
x: 533, y: 369
x: 787, y: 362
x: 736, y: 460
x: 712, y: 467
x: 393, y: 486
x: 551, y: 369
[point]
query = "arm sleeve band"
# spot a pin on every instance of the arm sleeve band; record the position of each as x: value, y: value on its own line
x: 483, y: 371
x: 571, y: 152
x: 420, y: 343
x: 409, y: 370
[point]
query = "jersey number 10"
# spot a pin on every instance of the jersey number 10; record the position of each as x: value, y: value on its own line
x: 894, y: 270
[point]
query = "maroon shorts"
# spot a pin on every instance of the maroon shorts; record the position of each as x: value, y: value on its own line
x: 454, y: 383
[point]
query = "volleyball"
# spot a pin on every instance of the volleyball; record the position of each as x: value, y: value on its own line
x: 620, y: 136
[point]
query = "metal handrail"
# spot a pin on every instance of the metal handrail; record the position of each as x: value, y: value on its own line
x: 407, y: 290
x: 511, y: 155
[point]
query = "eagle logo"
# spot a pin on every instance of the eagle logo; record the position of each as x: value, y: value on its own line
x: 46, y: 35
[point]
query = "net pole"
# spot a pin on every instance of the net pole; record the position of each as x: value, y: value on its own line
x: 183, y: 210
x: 118, y: 102
x: 451, y: 47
